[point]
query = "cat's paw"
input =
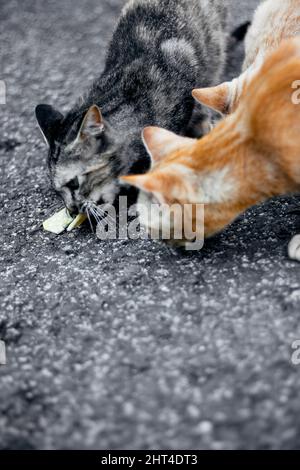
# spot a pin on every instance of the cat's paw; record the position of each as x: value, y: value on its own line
x: 294, y: 248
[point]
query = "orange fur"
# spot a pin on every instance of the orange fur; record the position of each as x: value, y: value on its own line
x: 252, y: 155
x: 215, y: 97
x: 274, y: 21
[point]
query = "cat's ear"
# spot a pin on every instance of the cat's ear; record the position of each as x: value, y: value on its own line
x: 144, y: 182
x: 92, y: 124
x: 149, y: 183
x: 48, y: 120
x: 216, y: 98
x: 160, y: 143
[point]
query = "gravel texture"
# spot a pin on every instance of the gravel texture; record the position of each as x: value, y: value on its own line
x: 129, y: 344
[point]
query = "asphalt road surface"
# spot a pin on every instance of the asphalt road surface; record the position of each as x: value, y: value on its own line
x: 128, y: 344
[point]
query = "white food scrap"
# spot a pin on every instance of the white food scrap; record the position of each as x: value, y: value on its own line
x: 61, y: 221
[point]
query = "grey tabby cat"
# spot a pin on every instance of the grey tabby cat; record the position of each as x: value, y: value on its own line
x: 160, y: 51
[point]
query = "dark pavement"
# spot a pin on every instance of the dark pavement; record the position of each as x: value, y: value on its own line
x: 129, y: 344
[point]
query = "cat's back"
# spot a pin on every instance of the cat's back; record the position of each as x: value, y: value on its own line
x: 144, y: 24
x: 274, y: 20
x: 193, y: 6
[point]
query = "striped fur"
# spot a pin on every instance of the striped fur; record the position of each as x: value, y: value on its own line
x: 160, y: 50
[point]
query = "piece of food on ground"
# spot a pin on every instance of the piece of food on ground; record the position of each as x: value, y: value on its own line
x: 79, y: 220
x: 61, y: 221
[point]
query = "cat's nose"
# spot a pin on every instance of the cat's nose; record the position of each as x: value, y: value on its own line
x: 73, y: 211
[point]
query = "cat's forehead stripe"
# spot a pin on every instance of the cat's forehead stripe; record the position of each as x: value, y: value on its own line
x: 65, y: 173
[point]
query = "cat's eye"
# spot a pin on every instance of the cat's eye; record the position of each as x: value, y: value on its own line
x: 73, y: 184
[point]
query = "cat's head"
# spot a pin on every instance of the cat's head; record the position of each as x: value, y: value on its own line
x: 186, y: 177
x: 164, y: 186
x: 81, y: 154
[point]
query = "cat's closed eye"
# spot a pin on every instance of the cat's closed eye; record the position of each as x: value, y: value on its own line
x: 73, y: 184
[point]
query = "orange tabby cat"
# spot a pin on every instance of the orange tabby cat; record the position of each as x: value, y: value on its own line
x: 274, y: 21
x: 251, y: 155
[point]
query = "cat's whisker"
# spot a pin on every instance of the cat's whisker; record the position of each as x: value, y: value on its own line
x: 107, y: 216
x: 86, y: 210
x: 84, y: 207
x: 89, y: 218
x: 96, y: 216
x: 103, y: 214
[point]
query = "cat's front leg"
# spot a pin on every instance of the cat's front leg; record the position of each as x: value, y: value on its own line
x: 294, y: 248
